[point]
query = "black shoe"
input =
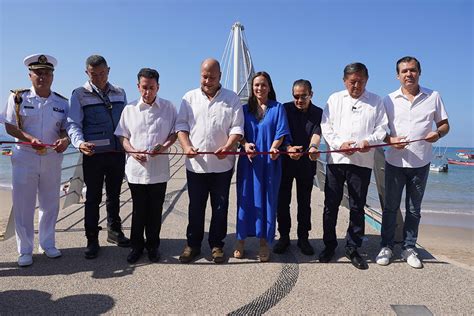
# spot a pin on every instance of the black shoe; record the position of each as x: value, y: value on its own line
x: 134, y: 255
x: 326, y: 255
x: 355, y: 258
x: 305, y: 247
x: 282, y: 244
x: 154, y: 255
x: 117, y: 237
x: 92, y: 248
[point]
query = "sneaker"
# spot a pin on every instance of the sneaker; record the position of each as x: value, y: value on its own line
x: 189, y: 254
x: 217, y: 255
x: 384, y: 256
x: 51, y: 252
x: 25, y: 260
x: 411, y: 257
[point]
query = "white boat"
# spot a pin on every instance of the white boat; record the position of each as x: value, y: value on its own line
x: 439, y: 163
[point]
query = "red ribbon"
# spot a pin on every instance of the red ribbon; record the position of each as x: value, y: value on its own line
x: 235, y: 153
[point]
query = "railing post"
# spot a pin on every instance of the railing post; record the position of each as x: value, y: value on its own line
x: 75, y: 186
x: 379, y: 174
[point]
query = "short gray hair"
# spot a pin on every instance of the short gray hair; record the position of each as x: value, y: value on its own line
x: 95, y: 60
x: 355, y: 67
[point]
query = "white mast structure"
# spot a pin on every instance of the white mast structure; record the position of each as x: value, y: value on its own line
x: 236, y: 60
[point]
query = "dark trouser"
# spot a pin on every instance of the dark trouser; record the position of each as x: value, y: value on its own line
x: 358, y: 180
x: 415, y: 181
x: 97, y: 168
x: 147, y: 209
x: 200, y: 186
x: 304, y: 186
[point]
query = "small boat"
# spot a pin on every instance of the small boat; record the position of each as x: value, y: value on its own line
x: 460, y: 162
x: 6, y: 152
x: 439, y: 163
x: 439, y: 168
x: 465, y: 154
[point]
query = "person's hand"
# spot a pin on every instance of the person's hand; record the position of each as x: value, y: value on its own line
x: 364, y: 146
x: 60, y: 145
x: 397, y: 140
x: 432, y: 137
x: 296, y: 150
x: 250, y: 150
x: 87, y: 148
x: 349, y: 146
x: 156, y: 150
x: 275, y: 153
x: 190, y: 151
x: 222, y: 149
x: 37, y: 144
x: 313, y: 154
x: 140, y: 157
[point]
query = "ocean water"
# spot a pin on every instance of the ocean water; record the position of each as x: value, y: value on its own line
x: 449, y: 193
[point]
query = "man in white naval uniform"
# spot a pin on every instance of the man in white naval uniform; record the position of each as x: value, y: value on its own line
x: 37, y: 115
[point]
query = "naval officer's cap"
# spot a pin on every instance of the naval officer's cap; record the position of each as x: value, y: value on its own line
x: 40, y: 61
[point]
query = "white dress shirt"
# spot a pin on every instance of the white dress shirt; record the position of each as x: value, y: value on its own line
x: 43, y: 118
x: 413, y: 120
x: 348, y: 119
x: 146, y: 126
x: 210, y: 123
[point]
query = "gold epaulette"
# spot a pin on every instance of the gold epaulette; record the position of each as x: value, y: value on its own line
x: 18, y: 91
x: 63, y: 97
x: 18, y: 101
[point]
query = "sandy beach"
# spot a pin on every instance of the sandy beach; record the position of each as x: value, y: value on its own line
x: 446, y: 243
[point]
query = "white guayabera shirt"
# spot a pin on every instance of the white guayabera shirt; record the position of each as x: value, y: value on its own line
x: 348, y: 119
x: 146, y: 126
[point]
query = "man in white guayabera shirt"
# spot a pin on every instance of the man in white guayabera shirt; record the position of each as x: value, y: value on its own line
x: 210, y: 119
x: 352, y: 118
x: 147, y: 125
x: 412, y: 110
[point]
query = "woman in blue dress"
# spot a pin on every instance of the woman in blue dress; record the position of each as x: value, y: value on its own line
x: 258, y: 176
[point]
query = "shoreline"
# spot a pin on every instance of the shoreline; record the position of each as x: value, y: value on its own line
x: 447, y: 242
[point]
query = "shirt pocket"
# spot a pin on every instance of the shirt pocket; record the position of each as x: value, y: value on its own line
x: 29, y: 115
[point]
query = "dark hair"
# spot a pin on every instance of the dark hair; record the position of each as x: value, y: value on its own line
x: 304, y: 83
x: 407, y: 59
x: 95, y: 60
x: 148, y: 73
x: 355, y: 67
x: 253, y: 103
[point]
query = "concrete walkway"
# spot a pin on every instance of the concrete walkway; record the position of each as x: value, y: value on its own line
x: 290, y: 284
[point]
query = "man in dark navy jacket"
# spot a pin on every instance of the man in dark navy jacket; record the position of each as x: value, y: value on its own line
x: 94, y: 113
x: 304, y: 119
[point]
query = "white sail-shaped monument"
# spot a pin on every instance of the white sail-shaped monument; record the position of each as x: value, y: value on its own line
x: 237, y: 64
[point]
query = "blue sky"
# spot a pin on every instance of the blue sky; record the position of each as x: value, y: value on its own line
x: 290, y: 39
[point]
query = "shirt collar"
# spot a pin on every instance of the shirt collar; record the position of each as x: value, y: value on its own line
x: 399, y: 92
x: 362, y: 97
x: 110, y: 87
x: 216, y: 95
x: 142, y: 105
x: 32, y: 94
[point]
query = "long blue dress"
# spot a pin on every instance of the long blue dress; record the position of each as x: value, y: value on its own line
x: 258, y: 181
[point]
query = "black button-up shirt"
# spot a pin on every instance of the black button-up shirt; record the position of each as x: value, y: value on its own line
x: 303, y: 125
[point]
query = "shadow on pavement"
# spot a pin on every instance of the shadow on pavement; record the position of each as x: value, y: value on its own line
x: 38, y: 302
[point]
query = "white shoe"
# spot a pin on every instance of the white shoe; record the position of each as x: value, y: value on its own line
x: 25, y: 260
x: 52, y: 252
x: 411, y: 257
x: 384, y: 256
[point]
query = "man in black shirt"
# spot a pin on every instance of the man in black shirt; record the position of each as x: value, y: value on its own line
x: 304, y: 119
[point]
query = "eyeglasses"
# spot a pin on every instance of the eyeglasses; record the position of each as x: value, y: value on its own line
x: 302, y: 97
